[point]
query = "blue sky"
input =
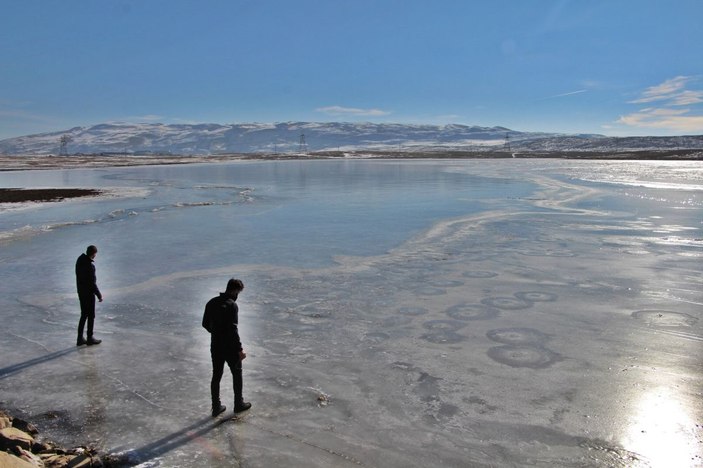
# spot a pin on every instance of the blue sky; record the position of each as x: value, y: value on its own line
x: 615, y: 67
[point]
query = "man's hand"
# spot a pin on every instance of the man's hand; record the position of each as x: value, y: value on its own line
x: 100, y: 299
x: 242, y: 355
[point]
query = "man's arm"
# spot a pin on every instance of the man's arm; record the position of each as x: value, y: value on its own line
x: 207, y: 319
x: 237, y: 340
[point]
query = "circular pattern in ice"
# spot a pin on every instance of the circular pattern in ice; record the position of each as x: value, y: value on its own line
x: 665, y: 318
x: 411, y: 310
x: 517, y: 336
x: 443, y: 337
x: 479, y: 274
x: 429, y: 291
x: 396, y: 321
x: 443, y: 325
x: 536, y: 296
x: 533, y: 357
x: 472, y: 312
x: 507, y: 303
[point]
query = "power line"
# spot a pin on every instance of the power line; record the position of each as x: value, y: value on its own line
x: 303, y: 146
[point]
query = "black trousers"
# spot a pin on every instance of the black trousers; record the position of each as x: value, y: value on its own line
x: 87, y: 313
x: 220, y: 356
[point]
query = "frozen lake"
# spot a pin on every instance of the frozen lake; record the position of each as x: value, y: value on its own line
x: 396, y: 313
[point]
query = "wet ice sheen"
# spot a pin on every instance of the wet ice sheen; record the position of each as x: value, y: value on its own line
x: 448, y: 313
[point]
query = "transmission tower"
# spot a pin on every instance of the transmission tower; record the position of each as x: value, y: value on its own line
x: 63, y: 144
x: 303, y: 147
x: 507, y: 142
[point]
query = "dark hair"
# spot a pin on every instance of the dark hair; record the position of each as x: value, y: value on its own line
x: 234, y: 285
x: 91, y: 250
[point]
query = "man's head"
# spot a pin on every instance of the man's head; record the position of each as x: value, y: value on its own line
x: 91, y: 251
x: 234, y: 287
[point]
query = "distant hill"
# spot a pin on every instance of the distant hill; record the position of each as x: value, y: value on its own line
x: 292, y: 137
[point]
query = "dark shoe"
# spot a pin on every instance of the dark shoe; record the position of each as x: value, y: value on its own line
x: 93, y: 341
x: 218, y: 410
x: 243, y: 406
x: 81, y: 341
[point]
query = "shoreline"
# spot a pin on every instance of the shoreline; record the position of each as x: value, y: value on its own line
x: 45, y: 162
x: 18, y: 195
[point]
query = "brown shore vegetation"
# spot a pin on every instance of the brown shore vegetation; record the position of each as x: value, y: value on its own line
x: 19, y: 195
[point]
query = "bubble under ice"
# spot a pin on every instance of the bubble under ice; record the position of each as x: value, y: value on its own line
x: 418, y: 298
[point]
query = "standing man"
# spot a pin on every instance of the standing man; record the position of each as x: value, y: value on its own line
x: 87, y: 286
x: 221, y: 319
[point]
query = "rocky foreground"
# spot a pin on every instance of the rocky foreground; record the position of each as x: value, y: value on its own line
x: 22, y: 447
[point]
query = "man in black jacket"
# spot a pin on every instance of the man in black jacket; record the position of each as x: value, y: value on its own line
x: 221, y: 319
x: 87, y: 286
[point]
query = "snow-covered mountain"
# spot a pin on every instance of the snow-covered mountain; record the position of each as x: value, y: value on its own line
x: 290, y: 137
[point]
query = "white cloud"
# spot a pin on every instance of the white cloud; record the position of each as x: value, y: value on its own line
x: 686, y: 98
x: 670, y: 96
x: 339, y: 110
x: 671, y: 89
x: 672, y: 119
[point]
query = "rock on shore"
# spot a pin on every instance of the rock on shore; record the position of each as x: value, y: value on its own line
x: 21, y: 447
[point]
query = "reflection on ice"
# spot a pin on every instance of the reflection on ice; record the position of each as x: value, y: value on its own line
x: 663, y: 430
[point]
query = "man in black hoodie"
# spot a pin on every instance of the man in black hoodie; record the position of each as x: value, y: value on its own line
x: 87, y: 286
x: 220, y: 319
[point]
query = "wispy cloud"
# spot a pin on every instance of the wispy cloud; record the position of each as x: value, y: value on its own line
x: 670, y: 96
x: 686, y: 98
x: 568, y: 94
x: 672, y: 90
x: 672, y: 119
x: 352, y: 111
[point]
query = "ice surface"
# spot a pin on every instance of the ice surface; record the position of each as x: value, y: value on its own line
x: 396, y: 313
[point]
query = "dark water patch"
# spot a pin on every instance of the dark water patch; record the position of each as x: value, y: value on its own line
x: 665, y: 318
x: 507, y: 303
x: 483, y: 406
x: 472, y: 312
x: 479, y: 274
x: 533, y: 357
x: 443, y: 325
x: 412, y: 310
x: 536, y: 296
x: 518, y: 336
x: 447, y: 410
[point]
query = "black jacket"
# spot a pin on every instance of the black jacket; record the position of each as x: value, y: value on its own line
x: 86, y: 282
x: 220, y: 319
